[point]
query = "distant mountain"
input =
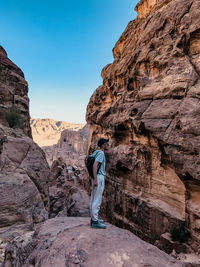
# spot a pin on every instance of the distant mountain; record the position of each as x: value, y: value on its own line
x: 46, y: 132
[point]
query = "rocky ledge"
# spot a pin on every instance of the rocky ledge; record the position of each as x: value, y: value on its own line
x: 71, y: 242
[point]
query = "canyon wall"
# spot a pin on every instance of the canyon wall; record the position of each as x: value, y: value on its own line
x: 24, y: 172
x: 149, y: 108
x: 14, y: 89
x: 71, y: 147
x: 77, y: 141
x: 46, y: 132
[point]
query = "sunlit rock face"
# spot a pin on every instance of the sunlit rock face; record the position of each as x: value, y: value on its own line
x: 71, y: 147
x: 47, y: 132
x: 149, y: 107
x: 76, y: 141
x: 13, y: 91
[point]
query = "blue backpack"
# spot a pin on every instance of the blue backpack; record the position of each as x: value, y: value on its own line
x: 90, y: 162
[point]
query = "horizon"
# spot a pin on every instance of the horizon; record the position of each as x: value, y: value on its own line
x: 31, y: 118
x: 62, y: 49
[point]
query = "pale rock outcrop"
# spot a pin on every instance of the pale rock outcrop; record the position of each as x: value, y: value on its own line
x: 71, y: 242
x: 77, y: 141
x: 148, y: 106
x: 71, y: 147
x: 46, y: 132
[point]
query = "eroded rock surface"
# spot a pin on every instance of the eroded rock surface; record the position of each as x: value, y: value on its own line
x: 71, y: 242
x: 67, y: 196
x: 24, y: 175
x: 13, y: 91
x: 46, y: 132
x: 149, y: 107
x: 24, y: 171
x: 71, y: 147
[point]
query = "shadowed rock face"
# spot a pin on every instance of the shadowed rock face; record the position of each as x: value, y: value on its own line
x: 67, y: 197
x: 24, y: 171
x: 13, y: 91
x: 149, y: 107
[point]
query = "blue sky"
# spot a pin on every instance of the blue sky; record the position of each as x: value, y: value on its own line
x: 62, y: 46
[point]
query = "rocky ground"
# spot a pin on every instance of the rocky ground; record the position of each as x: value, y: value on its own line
x: 71, y: 242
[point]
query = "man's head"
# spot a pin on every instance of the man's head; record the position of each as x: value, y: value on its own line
x: 103, y: 143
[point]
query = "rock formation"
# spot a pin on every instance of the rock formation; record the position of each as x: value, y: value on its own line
x: 71, y: 147
x: 67, y: 197
x: 14, y: 90
x: 46, y: 132
x: 149, y: 107
x: 71, y: 242
x: 77, y: 141
x: 61, y: 140
x: 24, y: 172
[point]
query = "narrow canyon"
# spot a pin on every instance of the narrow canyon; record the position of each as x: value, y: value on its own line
x: 149, y: 107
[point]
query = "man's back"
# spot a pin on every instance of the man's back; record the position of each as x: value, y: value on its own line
x: 100, y: 157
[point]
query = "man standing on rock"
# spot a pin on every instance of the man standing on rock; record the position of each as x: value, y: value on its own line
x: 99, y: 167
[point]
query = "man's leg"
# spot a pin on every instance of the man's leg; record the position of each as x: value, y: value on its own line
x: 92, y: 198
x: 97, y: 198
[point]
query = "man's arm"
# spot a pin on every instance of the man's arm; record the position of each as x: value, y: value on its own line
x: 95, y: 166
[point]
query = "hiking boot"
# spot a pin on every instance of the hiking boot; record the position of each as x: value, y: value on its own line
x: 97, y: 224
x: 100, y: 220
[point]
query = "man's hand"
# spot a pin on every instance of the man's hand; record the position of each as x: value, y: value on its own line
x: 95, y: 182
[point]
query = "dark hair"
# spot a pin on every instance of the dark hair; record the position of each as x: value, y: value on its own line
x: 102, y: 141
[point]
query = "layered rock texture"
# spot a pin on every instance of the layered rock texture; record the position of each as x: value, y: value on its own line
x: 13, y: 88
x: 60, y: 139
x: 47, y: 132
x: 77, y: 141
x: 71, y: 242
x: 71, y: 147
x: 24, y: 171
x: 67, y: 196
x: 149, y: 107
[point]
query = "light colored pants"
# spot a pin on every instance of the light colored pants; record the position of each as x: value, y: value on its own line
x: 96, y: 197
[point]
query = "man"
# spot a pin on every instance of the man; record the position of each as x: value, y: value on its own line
x: 98, y: 183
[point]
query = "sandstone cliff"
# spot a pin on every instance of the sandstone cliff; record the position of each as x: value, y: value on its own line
x: 24, y: 172
x: 14, y: 90
x: 46, y: 132
x: 149, y: 107
x: 71, y: 147
x: 76, y: 140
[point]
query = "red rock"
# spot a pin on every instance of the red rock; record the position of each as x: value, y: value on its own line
x: 13, y: 91
x: 71, y: 242
x: 148, y: 106
x: 24, y: 171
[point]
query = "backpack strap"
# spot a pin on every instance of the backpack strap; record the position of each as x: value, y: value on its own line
x: 99, y: 165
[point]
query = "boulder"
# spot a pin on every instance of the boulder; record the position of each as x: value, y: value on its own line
x: 71, y: 242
